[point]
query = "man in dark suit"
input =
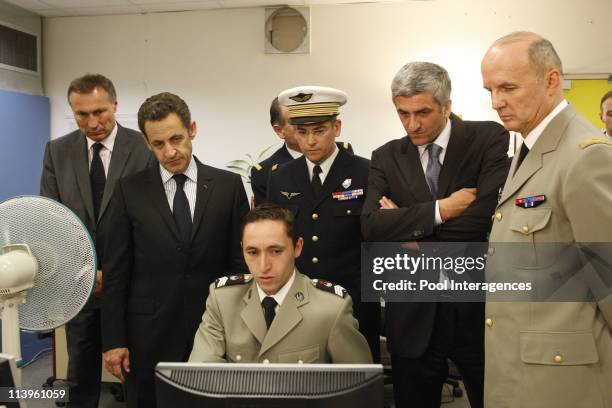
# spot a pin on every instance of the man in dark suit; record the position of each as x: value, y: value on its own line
x: 279, y: 119
x: 325, y: 190
x: 80, y: 170
x: 439, y: 183
x: 173, y: 229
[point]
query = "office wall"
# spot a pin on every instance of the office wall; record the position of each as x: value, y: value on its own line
x: 20, y: 19
x: 215, y: 60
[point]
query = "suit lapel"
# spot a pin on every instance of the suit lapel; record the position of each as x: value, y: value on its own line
x: 547, y: 142
x: 205, y: 186
x: 81, y: 168
x: 157, y: 197
x: 288, y: 315
x: 252, y: 314
x: 408, y: 161
x: 121, y: 152
x: 453, y: 156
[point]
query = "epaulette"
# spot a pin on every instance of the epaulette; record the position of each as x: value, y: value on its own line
x: 240, y: 279
x: 328, y: 286
x: 345, y: 145
x: 274, y: 167
x: 257, y: 166
x: 589, y: 142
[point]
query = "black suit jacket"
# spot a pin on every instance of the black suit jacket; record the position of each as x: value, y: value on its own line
x: 155, y: 287
x: 260, y: 175
x: 476, y: 156
x: 337, y: 246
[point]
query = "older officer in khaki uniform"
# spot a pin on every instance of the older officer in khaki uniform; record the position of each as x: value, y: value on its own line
x: 559, y: 190
x: 276, y: 314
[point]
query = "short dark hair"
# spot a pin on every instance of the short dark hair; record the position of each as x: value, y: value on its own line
x: 604, y: 98
x: 158, y: 107
x: 88, y: 82
x: 272, y: 212
x: 276, y: 114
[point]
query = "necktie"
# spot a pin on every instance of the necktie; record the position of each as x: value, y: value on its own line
x: 522, y: 154
x: 180, y: 209
x: 269, y: 304
x: 432, y: 173
x: 316, y: 180
x: 97, y: 178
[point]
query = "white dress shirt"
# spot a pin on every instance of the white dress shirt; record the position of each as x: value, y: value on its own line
x: 294, y: 153
x: 278, y: 296
x: 107, y: 150
x: 190, y: 188
x: 535, y: 134
x: 325, y: 165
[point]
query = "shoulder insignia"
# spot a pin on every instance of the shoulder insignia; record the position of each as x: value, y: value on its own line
x: 328, y: 286
x: 239, y: 279
x: 289, y: 195
x: 345, y: 145
x: 274, y: 167
x: 257, y: 166
x: 589, y: 142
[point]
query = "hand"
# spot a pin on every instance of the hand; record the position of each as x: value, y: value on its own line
x: 387, y: 204
x: 117, y: 359
x: 453, y: 206
x: 98, y: 288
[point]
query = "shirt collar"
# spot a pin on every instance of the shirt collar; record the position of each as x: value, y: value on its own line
x: 441, y: 140
x: 191, y: 172
x: 282, y: 292
x: 325, y: 165
x: 294, y: 153
x: 108, y: 142
x: 534, y: 135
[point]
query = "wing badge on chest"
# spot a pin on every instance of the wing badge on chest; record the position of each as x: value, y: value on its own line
x: 289, y: 195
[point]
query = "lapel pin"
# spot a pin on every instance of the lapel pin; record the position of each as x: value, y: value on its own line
x: 346, y: 183
x: 299, y: 296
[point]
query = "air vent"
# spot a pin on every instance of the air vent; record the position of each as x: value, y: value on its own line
x: 18, y: 49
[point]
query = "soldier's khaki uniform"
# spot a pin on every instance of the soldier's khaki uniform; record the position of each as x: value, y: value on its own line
x: 552, y: 354
x: 312, y: 325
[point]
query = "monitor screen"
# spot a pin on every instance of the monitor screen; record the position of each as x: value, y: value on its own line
x: 215, y: 385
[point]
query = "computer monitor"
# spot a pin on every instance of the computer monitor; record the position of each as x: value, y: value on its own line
x: 213, y: 385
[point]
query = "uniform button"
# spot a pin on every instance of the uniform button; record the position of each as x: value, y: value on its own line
x: 315, y: 216
x: 348, y: 212
x: 238, y: 357
x: 558, y: 358
x: 300, y: 362
x: 498, y: 216
x: 489, y: 322
x: 315, y: 260
x: 315, y: 238
x: 266, y: 361
x: 525, y: 229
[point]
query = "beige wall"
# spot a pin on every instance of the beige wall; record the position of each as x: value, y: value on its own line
x: 215, y: 60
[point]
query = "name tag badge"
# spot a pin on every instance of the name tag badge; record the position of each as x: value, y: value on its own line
x: 530, y: 202
x: 347, y: 195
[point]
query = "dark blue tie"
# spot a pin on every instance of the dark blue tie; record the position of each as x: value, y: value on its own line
x: 97, y: 178
x: 180, y: 209
x: 432, y: 173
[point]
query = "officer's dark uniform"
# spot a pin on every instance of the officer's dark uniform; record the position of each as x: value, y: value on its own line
x: 330, y: 227
x: 261, y: 171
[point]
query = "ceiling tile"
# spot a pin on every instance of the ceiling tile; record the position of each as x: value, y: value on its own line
x: 180, y: 6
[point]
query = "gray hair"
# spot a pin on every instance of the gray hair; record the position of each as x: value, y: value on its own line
x: 541, y: 52
x: 422, y: 77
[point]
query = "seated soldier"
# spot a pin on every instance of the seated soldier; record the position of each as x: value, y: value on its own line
x: 276, y: 314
